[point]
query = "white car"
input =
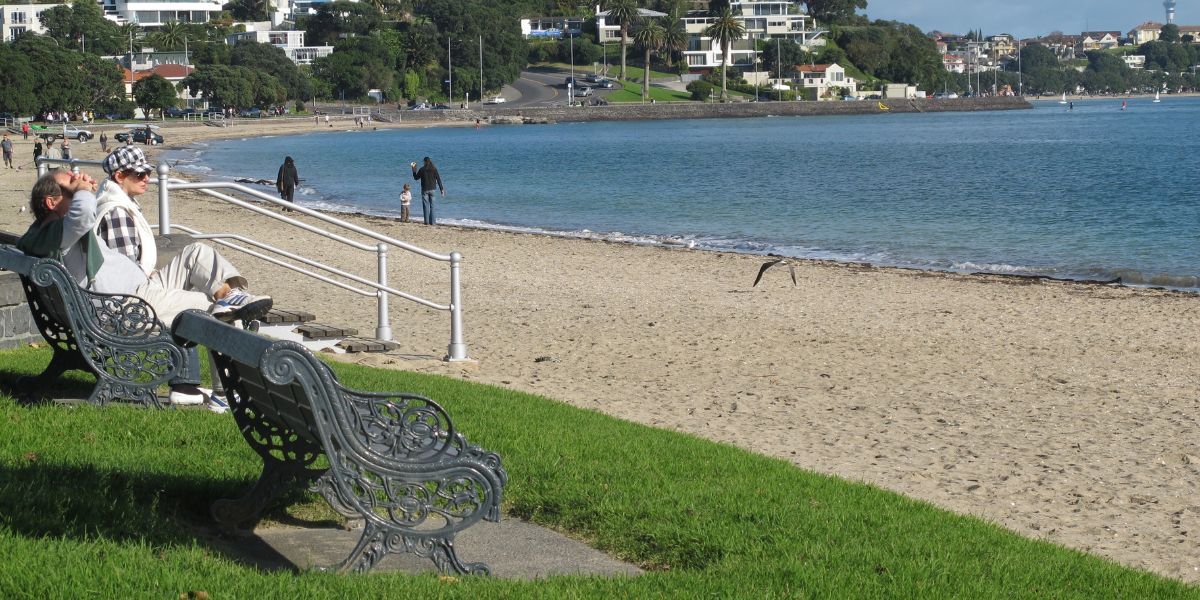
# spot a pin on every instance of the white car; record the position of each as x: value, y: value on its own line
x: 57, y: 132
x: 496, y: 100
x: 583, y: 92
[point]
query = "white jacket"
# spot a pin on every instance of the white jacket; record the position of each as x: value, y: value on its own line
x: 112, y: 197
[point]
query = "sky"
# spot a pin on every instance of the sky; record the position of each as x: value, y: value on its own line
x: 1030, y: 18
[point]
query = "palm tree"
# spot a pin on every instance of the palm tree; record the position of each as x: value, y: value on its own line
x: 624, y: 13
x: 650, y: 38
x: 170, y: 36
x: 725, y: 29
x: 675, y: 38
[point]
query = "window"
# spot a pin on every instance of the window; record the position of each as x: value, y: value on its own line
x: 13, y: 32
x: 17, y: 18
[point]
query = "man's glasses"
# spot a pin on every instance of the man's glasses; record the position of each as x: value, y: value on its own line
x: 141, y: 175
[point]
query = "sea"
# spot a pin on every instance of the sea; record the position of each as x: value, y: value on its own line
x: 1093, y: 192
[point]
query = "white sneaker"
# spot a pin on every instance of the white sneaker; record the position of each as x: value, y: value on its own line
x: 240, y: 305
x: 189, y: 395
x: 217, y: 404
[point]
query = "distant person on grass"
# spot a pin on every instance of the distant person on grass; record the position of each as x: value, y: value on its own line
x: 431, y: 181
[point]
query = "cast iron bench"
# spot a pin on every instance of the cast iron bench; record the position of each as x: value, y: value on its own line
x: 117, y: 338
x: 395, y: 461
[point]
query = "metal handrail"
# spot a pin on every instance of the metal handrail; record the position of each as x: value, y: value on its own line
x: 457, y: 350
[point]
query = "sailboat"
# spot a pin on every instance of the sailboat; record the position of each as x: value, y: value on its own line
x: 1156, y: 96
x: 1064, y: 100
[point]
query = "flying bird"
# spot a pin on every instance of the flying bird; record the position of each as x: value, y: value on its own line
x: 772, y: 263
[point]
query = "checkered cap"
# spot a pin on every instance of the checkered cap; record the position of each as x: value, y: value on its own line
x: 127, y: 158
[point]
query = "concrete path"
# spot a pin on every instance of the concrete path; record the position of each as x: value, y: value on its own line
x: 513, y: 549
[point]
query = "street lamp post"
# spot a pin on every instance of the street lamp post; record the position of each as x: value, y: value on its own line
x: 481, y: 68
x: 449, y: 71
x: 571, y: 87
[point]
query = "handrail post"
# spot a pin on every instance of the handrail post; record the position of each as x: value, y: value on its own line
x: 457, y: 350
x: 42, y: 169
x: 164, y: 201
x: 384, y: 329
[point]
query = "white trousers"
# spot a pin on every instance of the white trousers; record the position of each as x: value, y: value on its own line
x: 188, y: 281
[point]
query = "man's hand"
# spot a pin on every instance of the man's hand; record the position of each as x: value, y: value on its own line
x: 79, y: 181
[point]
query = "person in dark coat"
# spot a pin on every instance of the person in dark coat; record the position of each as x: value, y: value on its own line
x: 431, y: 181
x: 287, y: 179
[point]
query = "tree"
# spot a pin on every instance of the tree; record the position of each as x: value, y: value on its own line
x: 675, y: 37
x: 340, y: 19
x: 624, y: 13
x: 1036, y: 56
x: 649, y: 37
x: 222, y: 85
x: 1169, y: 33
x: 274, y: 61
x: 725, y: 29
x: 170, y: 36
x: 17, y: 80
x: 154, y: 92
x: 834, y: 11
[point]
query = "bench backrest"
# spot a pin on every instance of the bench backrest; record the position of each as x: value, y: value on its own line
x: 383, y: 448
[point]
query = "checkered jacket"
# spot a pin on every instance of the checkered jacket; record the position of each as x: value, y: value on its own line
x: 119, y: 232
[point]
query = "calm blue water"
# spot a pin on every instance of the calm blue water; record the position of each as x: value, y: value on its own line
x: 1093, y: 193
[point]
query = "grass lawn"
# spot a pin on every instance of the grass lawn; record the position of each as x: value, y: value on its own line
x: 104, y: 503
x: 632, y: 92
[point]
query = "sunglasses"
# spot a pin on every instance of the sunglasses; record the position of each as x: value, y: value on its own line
x: 139, y: 175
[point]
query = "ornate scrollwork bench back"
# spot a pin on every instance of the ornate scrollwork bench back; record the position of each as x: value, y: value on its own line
x: 117, y: 338
x: 395, y: 460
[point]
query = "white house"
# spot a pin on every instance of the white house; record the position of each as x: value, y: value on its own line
x: 1099, y: 40
x: 172, y: 73
x: 551, y: 27
x: 1134, y: 61
x: 1146, y: 32
x: 153, y: 13
x: 292, y: 43
x: 611, y: 32
x: 763, y: 19
x: 20, y: 18
x: 825, y: 79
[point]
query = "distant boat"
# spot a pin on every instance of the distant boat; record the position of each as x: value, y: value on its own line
x: 1156, y: 96
x: 1064, y: 100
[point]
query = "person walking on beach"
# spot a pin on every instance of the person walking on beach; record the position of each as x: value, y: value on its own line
x: 37, y: 151
x: 405, y: 202
x: 25, y: 130
x: 286, y: 180
x: 103, y: 142
x: 66, y: 149
x: 7, y: 147
x: 431, y: 181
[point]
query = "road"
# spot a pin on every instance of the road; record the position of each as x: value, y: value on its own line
x: 542, y: 87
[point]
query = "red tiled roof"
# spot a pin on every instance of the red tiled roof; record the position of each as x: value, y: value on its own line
x: 164, y: 71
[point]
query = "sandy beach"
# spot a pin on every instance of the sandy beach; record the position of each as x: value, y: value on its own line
x: 1062, y: 411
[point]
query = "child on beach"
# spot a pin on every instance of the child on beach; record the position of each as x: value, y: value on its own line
x: 405, y: 201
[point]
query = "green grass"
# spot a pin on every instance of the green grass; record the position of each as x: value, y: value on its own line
x: 105, y: 503
x: 632, y: 92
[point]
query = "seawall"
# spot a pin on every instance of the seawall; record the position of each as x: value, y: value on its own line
x: 698, y: 110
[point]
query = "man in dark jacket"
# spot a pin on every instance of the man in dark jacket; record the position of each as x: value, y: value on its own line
x: 431, y: 181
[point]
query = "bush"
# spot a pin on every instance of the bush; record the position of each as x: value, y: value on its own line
x: 299, y: 106
x: 701, y: 90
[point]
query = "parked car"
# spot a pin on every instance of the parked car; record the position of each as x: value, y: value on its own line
x: 173, y: 111
x: 571, y: 82
x: 57, y: 131
x: 604, y: 83
x: 583, y: 92
x: 496, y: 100
x: 252, y: 113
x: 139, y: 136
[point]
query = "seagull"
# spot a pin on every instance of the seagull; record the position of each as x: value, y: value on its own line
x: 772, y: 263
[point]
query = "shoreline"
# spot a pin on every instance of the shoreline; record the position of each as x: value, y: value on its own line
x: 1059, y: 410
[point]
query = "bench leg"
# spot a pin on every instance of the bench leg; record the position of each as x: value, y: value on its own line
x: 232, y: 514
x: 377, y: 542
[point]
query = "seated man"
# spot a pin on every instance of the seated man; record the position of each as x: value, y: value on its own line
x: 64, y: 209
